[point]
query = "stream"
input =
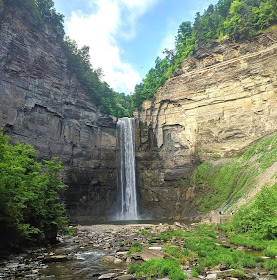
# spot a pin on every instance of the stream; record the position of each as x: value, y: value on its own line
x: 98, y: 252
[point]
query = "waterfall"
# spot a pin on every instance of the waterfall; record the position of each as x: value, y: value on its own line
x: 126, y: 169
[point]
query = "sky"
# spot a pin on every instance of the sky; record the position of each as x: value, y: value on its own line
x: 126, y: 36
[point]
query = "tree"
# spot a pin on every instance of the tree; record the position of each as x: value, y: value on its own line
x: 29, y: 207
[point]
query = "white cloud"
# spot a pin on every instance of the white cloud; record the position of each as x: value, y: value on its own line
x: 168, y: 41
x: 100, y: 31
x: 201, y: 6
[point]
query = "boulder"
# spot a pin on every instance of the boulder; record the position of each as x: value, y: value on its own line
x: 107, y: 276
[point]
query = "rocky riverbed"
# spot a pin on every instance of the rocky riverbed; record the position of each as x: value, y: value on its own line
x: 103, y: 252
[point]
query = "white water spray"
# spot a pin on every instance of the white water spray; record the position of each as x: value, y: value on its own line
x: 126, y: 169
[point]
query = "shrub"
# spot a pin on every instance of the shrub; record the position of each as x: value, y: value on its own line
x: 159, y: 268
x: 29, y: 207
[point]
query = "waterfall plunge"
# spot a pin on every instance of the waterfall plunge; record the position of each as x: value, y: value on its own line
x: 126, y: 169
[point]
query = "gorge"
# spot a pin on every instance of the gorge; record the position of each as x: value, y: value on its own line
x: 219, y: 101
x: 96, y: 184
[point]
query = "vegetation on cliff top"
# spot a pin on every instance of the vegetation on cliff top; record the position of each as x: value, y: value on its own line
x: 29, y: 207
x: 232, y: 19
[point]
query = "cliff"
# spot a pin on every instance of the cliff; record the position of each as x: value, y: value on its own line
x: 220, y: 101
x: 43, y: 104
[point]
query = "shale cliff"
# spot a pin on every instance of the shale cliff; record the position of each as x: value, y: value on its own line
x: 42, y: 103
x: 221, y: 100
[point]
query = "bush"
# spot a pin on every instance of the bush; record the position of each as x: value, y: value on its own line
x: 29, y: 207
x: 259, y: 218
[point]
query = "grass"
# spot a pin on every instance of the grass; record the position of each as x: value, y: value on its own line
x: 271, y: 249
x: 249, y: 241
x: 181, y: 234
x: 272, y: 264
x: 211, y: 255
x: 143, y: 232
x: 226, y: 184
x: 136, y: 247
x: 177, y: 252
x: 159, y: 268
x: 238, y: 274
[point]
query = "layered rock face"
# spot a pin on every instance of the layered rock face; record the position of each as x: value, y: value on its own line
x: 43, y: 104
x: 220, y: 101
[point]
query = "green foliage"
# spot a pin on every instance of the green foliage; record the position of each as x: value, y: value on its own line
x: 177, y: 252
x: 264, y: 15
x: 271, y: 249
x: 211, y: 255
x: 44, y: 11
x: 248, y: 241
x: 29, y: 207
x: 111, y: 102
x: 271, y: 264
x: 194, y: 273
x: 227, y: 19
x: 136, y: 247
x: 143, y: 232
x: 219, y: 185
x: 180, y: 234
x: 260, y: 217
x: 159, y: 268
x: 238, y: 274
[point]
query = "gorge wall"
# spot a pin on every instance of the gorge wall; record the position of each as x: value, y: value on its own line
x: 220, y: 100
x: 43, y: 104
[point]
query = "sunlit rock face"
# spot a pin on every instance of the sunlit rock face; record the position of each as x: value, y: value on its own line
x: 43, y: 104
x: 218, y: 102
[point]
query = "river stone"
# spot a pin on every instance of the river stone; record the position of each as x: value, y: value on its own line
x: 224, y: 273
x: 12, y: 266
x: 117, y: 261
x: 121, y: 253
x: 211, y: 276
x: 147, y: 254
x: 155, y: 248
x: 56, y: 258
x: 108, y: 259
x: 107, y: 276
x: 125, y: 277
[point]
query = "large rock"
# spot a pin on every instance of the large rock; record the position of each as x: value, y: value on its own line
x: 147, y: 254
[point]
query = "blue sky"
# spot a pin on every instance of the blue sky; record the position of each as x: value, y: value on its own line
x: 126, y: 36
